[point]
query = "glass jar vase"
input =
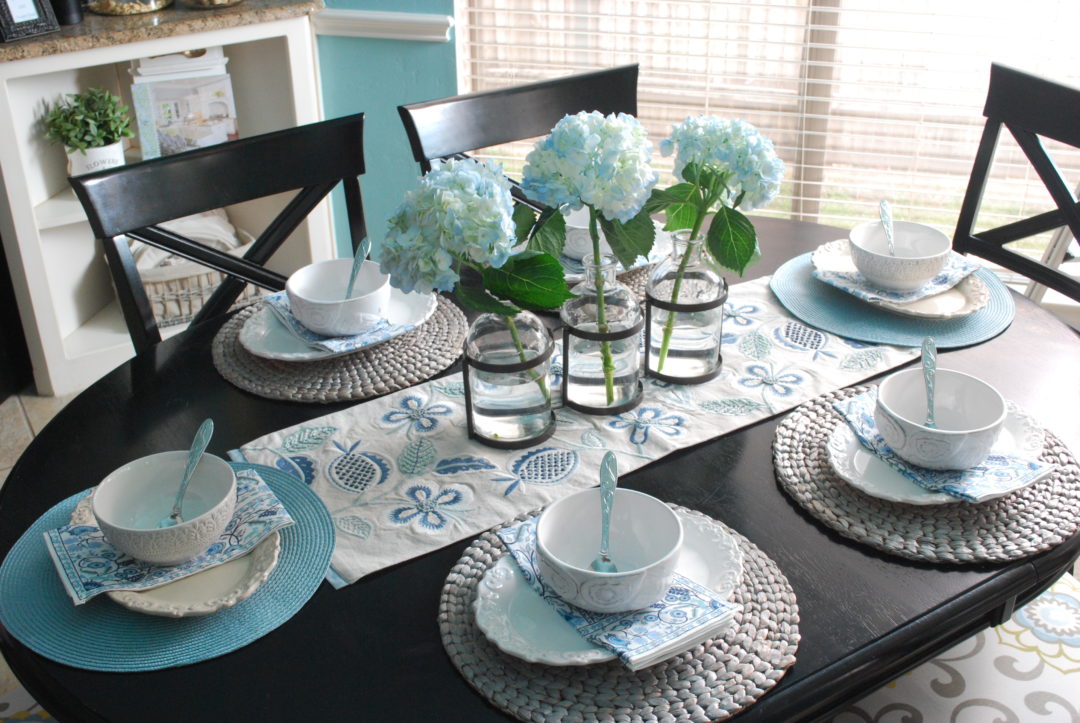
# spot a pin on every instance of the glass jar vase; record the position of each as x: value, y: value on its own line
x: 506, y: 375
x: 601, y: 342
x: 684, y: 306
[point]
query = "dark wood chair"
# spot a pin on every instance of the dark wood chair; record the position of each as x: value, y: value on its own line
x: 1029, y: 107
x: 128, y: 202
x: 451, y: 127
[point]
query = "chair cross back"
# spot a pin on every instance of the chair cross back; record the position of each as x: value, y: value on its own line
x: 451, y: 127
x: 128, y: 202
x: 1028, y: 107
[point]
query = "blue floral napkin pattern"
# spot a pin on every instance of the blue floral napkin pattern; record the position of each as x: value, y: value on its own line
x: 687, y: 615
x: 89, y: 565
x: 380, y: 332
x: 956, y: 269
x: 999, y: 474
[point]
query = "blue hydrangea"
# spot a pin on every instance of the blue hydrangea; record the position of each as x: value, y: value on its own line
x: 461, y: 211
x: 731, y: 147
x: 589, y: 158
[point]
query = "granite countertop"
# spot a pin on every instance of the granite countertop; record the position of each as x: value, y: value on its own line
x: 97, y: 31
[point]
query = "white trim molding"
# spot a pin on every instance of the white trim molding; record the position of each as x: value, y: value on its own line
x: 422, y: 27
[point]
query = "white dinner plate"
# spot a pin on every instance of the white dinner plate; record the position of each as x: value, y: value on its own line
x: 575, y: 269
x: 965, y: 298
x: 265, y: 336
x: 864, y: 470
x: 518, y: 621
x: 204, y: 592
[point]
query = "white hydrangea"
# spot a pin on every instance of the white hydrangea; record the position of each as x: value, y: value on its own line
x: 462, y: 210
x: 589, y: 158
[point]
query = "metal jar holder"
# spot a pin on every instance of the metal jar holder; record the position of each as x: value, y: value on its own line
x: 569, y: 331
x: 467, y: 364
x: 651, y: 301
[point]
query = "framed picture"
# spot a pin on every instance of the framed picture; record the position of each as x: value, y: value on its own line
x: 25, y: 18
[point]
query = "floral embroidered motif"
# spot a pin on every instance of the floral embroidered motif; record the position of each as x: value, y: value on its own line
x: 355, y: 471
x: 300, y: 466
x: 742, y: 315
x: 428, y: 508
x: 416, y: 415
x: 642, y: 420
x: 1048, y: 626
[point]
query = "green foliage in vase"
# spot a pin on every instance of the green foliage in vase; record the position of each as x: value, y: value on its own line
x: 88, y: 120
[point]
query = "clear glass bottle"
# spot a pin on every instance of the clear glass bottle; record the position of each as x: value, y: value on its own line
x: 509, y: 406
x: 684, y: 342
x: 587, y: 386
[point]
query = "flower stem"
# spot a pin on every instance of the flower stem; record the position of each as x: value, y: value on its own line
x: 521, y: 355
x: 601, y: 311
x: 669, y: 325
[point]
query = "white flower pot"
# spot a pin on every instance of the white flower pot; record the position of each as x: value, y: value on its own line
x: 95, y: 159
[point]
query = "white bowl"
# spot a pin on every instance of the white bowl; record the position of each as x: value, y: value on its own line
x: 578, y: 241
x: 921, y: 252
x: 132, y: 500
x: 969, y: 414
x: 646, y: 538
x: 317, y: 297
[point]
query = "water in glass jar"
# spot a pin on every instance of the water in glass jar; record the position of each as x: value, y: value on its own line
x: 694, y: 347
x: 585, y: 383
x: 510, y: 406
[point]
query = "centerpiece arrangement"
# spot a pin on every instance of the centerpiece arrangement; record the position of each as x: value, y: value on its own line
x: 456, y: 232
x: 723, y: 166
x: 602, y: 163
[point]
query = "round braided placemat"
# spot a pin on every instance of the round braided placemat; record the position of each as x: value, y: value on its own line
x: 1017, y: 525
x: 396, y: 364
x: 709, y: 682
x: 637, y: 279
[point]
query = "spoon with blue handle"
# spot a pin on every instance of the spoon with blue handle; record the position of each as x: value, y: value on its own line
x: 358, y: 260
x: 609, y: 477
x: 198, y: 446
x: 886, y: 222
x: 929, y: 368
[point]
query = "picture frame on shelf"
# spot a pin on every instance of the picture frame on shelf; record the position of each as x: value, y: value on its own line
x: 26, y: 18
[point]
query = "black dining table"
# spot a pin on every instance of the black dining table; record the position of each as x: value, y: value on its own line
x: 372, y: 650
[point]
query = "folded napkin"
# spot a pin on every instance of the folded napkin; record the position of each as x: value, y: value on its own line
x: 687, y: 615
x: 999, y: 474
x: 956, y: 269
x: 381, y: 331
x: 89, y: 566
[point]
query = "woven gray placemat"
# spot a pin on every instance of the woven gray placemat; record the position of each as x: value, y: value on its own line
x: 396, y: 364
x: 637, y: 279
x: 1017, y: 525
x: 710, y: 682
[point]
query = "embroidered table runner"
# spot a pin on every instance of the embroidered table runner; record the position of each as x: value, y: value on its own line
x: 401, y: 477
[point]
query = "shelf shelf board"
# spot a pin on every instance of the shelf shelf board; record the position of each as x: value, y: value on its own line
x: 59, y: 210
x: 105, y: 331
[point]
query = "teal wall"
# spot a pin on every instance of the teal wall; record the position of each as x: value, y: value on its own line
x: 375, y: 77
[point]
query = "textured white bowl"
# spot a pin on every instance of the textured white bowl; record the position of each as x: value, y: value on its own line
x: 646, y: 538
x: 921, y: 252
x: 969, y: 414
x: 132, y: 500
x: 578, y: 241
x: 317, y: 297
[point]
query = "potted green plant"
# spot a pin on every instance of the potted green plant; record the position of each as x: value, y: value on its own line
x: 92, y: 126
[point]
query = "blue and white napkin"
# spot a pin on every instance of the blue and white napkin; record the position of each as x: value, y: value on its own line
x: 999, y: 474
x: 89, y: 565
x: 956, y: 269
x: 687, y: 615
x: 380, y: 332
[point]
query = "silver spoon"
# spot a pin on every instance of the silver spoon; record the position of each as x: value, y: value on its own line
x: 886, y: 222
x: 358, y: 260
x: 198, y: 446
x: 609, y: 477
x: 929, y: 368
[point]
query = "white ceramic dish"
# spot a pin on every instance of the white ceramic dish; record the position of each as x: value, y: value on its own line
x: 264, y: 336
x: 575, y: 269
x: 317, y: 297
x: 865, y: 471
x: 918, y: 255
x: 967, y: 297
x: 518, y: 621
x: 204, y: 592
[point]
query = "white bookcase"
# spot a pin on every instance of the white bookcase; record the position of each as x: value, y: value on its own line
x: 72, y: 321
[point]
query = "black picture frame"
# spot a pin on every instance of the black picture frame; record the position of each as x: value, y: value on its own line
x: 26, y: 18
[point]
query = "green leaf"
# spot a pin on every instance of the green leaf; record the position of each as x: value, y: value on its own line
x: 550, y: 234
x: 755, y: 345
x: 732, y: 240
x: 529, y: 279
x: 732, y: 406
x: 480, y: 300
x: 680, y: 203
x: 631, y: 239
x: 417, y: 458
x: 306, y: 439
x: 524, y: 218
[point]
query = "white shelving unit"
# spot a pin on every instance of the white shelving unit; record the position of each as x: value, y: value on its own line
x: 72, y: 321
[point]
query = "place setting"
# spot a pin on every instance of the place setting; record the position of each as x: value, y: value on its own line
x: 171, y: 559
x: 643, y: 596
x: 932, y: 464
x: 339, y: 331
x: 894, y: 282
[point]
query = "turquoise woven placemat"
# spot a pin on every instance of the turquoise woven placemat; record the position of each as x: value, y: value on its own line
x: 831, y: 309
x: 101, y: 635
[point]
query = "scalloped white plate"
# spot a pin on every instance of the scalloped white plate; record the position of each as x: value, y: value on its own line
x: 204, y: 592
x: 518, y: 621
x: 864, y: 470
x: 965, y: 298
